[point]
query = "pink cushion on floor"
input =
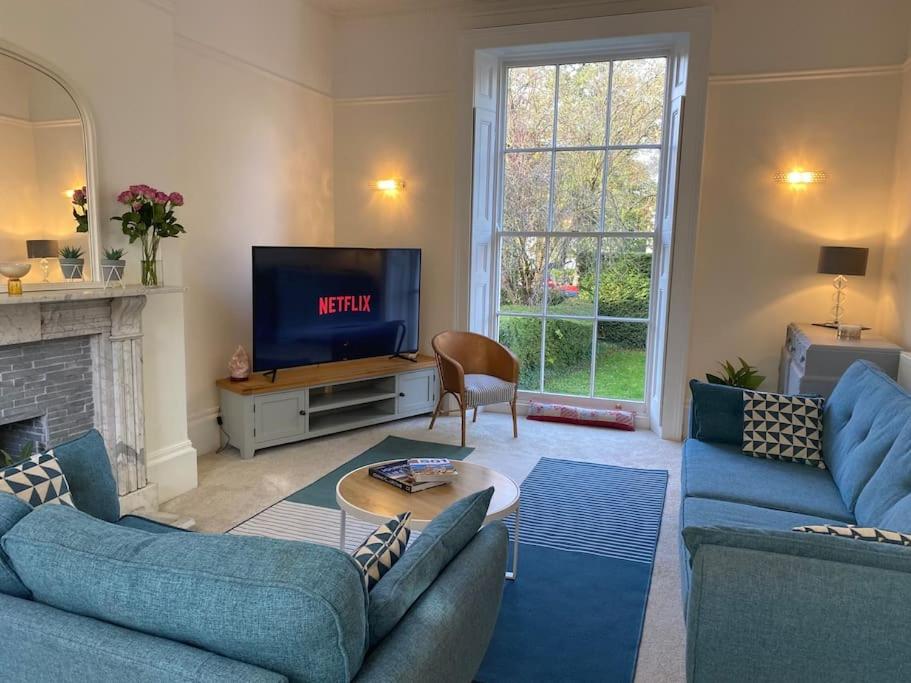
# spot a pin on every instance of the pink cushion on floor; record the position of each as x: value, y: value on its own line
x: 607, y: 417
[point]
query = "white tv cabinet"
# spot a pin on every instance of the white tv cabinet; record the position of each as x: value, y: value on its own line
x: 304, y: 403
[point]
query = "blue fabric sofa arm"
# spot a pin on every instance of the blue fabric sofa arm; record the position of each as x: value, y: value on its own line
x: 445, y: 634
x: 46, y: 644
x: 786, y: 606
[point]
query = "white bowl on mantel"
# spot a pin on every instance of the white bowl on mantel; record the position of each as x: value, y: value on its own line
x: 14, y: 269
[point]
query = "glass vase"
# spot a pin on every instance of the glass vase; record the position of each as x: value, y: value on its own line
x: 152, y: 275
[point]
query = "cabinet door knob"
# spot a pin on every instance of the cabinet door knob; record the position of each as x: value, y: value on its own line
x: 402, y: 394
x: 303, y: 412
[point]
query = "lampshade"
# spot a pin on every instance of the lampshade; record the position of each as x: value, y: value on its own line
x: 843, y: 260
x: 42, y: 248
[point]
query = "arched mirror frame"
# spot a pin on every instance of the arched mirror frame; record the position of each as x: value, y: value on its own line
x: 91, y: 174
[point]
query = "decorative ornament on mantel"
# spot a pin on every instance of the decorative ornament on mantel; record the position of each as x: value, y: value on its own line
x: 150, y: 217
x: 239, y: 365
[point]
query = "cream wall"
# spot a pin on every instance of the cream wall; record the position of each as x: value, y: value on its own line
x: 757, y: 241
x: 255, y: 127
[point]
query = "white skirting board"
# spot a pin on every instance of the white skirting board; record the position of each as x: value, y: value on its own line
x: 904, y: 370
x: 203, y: 430
x: 174, y: 470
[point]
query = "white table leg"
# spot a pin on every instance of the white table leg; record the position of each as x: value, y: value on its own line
x: 514, y: 574
x: 341, y: 537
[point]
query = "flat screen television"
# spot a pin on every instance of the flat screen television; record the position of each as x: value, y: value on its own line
x: 321, y: 304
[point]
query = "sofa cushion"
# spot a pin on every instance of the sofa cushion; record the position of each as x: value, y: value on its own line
x: 707, y: 512
x: 383, y: 548
x: 782, y: 427
x: 85, y: 464
x: 438, y: 544
x: 862, y: 419
x: 716, y: 413
x: 885, y: 501
x: 38, y: 480
x: 295, y: 608
x: 722, y: 472
x: 12, y: 509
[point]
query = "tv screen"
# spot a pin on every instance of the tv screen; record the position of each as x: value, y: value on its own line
x: 321, y: 304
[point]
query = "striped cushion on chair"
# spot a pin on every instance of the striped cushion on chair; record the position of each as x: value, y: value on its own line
x: 484, y: 390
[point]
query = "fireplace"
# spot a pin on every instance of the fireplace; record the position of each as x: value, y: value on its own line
x: 71, y: 361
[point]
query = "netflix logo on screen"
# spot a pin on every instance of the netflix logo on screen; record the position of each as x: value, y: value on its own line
x: 346, y: 303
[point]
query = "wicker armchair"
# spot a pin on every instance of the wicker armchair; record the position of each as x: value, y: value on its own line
x: 478, y: 371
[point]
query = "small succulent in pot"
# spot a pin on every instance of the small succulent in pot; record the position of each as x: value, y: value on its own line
x: 113, y: 265
x: 71, y: 262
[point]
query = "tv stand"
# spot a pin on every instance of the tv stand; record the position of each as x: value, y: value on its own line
x: 305, y: 403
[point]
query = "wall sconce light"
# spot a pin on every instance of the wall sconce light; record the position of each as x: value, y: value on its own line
x: 69, y: 194
x: 388, y: 185
x: 800, y: 177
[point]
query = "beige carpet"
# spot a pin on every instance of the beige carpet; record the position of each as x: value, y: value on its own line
x: 231, y: 490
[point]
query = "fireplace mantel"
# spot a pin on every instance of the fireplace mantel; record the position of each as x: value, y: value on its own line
x: 111, y: 318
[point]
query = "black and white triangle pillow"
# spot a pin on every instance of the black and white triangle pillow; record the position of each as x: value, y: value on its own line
x: 383, y: 549
x: 858, y: 533
x: 782, y: 427
x: 38, y: 481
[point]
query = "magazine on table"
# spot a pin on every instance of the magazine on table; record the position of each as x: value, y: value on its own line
x: 432, y: 469
x: 398, y: 474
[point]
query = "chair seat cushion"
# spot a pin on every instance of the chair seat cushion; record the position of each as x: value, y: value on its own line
x: 723, y: 472
x: 484, y: 390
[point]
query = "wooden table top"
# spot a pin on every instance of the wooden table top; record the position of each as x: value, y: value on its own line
x: 325, y: 373
x: 372, y: 500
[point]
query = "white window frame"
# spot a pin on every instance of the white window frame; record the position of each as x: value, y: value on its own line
x: 599, y: 235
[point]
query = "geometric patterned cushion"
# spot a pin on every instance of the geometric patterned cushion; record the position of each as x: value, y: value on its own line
x: 485, y: 390
x: 859, y: 533
x: 781, y: 427
x: 38, y: 481
x: 383, y: 549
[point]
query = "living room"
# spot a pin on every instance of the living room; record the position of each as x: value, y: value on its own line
x: 613, y: 196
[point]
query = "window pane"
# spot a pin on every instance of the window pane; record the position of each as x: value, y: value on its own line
x: 526, y: 191
x: 521, y: 273
x: 577, y: 205
x: 582, y: 108
x: 570, y: 286
x: 522, y: 336
x: 632, y: 190
x: 567, y: 356
x: 637, y: 101
x: 530, y: 106
x: 620, y: 363
x: 626, y: 277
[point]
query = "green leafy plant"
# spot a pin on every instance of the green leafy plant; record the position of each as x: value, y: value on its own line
x: 744, y: 377
x: 7, y: 458
x: 114, y: 254
x: 70, y: 252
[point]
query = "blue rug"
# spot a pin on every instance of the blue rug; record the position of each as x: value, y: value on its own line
x: 587, y: 539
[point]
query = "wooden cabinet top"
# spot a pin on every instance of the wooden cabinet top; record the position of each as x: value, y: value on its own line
x: 325, y: 373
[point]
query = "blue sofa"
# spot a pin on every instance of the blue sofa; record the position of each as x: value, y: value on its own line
x: 765, y: 603
x: 87, y: 595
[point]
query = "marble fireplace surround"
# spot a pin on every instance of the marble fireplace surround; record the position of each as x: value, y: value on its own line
x: 112, y: 320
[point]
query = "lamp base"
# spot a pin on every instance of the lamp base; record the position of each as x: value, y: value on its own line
x: 834, y: 326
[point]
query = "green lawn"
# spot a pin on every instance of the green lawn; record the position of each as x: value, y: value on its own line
x: 619, y: 373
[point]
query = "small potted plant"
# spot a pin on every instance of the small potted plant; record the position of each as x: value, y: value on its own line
x: 744, y: 377
x: 112, y: 265
x: 71, y: 262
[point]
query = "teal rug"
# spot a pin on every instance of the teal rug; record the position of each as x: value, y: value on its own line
x: 587, y: 544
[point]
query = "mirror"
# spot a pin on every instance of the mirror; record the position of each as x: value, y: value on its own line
x: 42, y: 174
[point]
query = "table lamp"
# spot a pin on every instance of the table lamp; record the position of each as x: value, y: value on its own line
x: 841, y: 262
x: 43, y: 249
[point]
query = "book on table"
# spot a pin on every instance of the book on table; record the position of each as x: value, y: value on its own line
x: 397, y: 473
x: 432, y: 469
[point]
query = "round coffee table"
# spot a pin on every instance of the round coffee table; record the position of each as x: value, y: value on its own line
x: 371, y: 500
